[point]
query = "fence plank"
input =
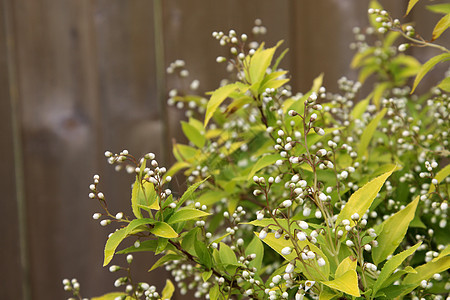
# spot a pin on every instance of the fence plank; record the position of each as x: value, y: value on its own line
x: 12, y: 273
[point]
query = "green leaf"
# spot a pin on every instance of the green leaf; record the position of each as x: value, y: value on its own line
x: 394, y: 291
x: 368, y: 132
x: 184, y: 153
x: 424, y: 272
x: 214, y: 292
x: 259, y: 63
x: 111, y: 296
x: 206, y: 275
x: 168, y: 257
x: 411, y: 4
x: 163, y: 230
x: 255, y: 247
x: 161, y: 245
x: 443, y: 8
x: 378, y: 93
x: 186, y: 214
x: 147, y: 246
x: 117, y: 237
x: 189, y: 192
x: 445, y: 84
x: 195, y: 136
x: 359, y: 57
x: 203, y: 254
x: 360, y: 107
x: 168, y: 290
x: 263, y: 162
x: 426, y: 67
x: 366, y: 71
x: 393, y: 231
x: 361, y: 200
x: 217, y: 97
x: 441, y: 26
x: 347, y: 283
x: 441, y: 175
x: 391, y: 265
x: 189, y: 239
x: 328, y: 294
x: 227, y: 255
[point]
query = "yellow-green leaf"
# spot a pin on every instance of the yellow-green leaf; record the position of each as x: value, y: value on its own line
x: 206, y: 275
x: 361, y: 200
x: 259, y: 63
x: 194, y: 135
x: 378, y: 93
x: 168, y: 290
x: 441, y: 175
x: 186, y: 214
x: 163, y: 230
x: 445, y: 84
x: 117, y: 237
x: 426, y: 67
x: 111, y: 296
x: 217, y: 97
x: 317, y: 83
x: 360, y: 107
x: 424, y: 272
x: 443, y: 8
x: 443, y: 253
x: 441, y: 26
x: 227, y: 255
x: 411, y: 4
x: 168, y: 257
x: 366, y: 71
x: 348, y: 264
x: 263, y: 162
x: 368, y: 132
x: 391, y: 265
x: 316, y: 272
x: 135, y: 194
x: 393, y: 231
x: 328, y: 294
x: 347, y: 283
x: 191, y: 189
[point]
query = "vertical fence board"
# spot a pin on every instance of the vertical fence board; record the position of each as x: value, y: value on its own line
x: 59, y: 145
x: 130, y: 118
x: 11, y: 274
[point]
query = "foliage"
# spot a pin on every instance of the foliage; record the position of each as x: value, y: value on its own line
x: 315, y: 195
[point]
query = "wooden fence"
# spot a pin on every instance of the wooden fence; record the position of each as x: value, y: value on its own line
x: 79, y: 77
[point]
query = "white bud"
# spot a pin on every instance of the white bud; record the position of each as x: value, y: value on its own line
x: 286, y: 250
x: 301, y: 236
x: 321, y: 262
x: 262, y: 234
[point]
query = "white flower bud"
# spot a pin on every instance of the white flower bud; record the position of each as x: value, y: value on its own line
x: 286, y: 250
x: 286, y: 203
x: 263, y: 234
x: 301, y: 236
x: 289, y: 268
x: 321, y: 262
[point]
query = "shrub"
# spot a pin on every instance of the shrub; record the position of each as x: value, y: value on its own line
x: 290, y: 195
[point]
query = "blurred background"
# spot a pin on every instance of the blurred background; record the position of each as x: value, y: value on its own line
x: 78, y: 77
